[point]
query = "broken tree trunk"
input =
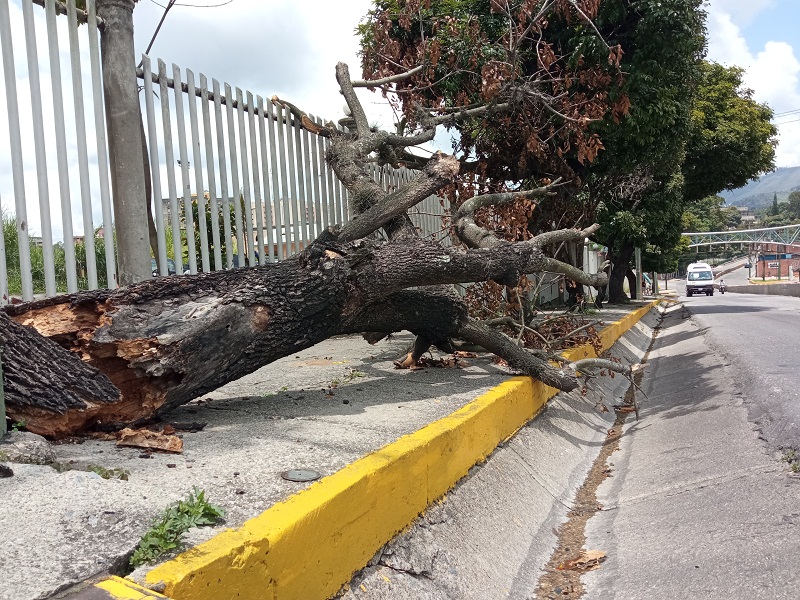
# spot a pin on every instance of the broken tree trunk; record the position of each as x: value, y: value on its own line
x: 164, y: 342
x: 114, y: 358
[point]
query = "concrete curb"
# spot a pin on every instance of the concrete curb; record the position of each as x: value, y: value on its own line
x: 309, y: 545
x: 116, y: 588
x: 768, y: 289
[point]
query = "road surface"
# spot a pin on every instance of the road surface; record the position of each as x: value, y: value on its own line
x: 758, y: 335
x: 696, y: 504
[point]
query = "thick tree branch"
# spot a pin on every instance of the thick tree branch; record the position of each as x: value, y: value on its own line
x: 518, y: 358
x: 390, y: 267
x: 356, y: 109
x: 440, y: 170
x: 551, y: 265
x: 391, y: 79
x: 475, y: 236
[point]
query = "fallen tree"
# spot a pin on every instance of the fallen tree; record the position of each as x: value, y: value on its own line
x: 112, y: 358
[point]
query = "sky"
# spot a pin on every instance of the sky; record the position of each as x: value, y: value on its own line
x: 762, y: 36
x: 290, y: 48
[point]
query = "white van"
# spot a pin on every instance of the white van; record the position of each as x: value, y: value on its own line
x: 699, y: 278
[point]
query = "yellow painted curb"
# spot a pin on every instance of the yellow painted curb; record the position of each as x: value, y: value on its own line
x: 117, y: 588
x: 309, y: 545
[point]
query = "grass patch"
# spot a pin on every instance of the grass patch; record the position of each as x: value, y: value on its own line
x: 115, y: 473
x: 165, y: 535
x: 791, y: 456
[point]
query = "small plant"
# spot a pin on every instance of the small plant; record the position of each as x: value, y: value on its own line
x: 792, y: 457
x: 349, y: 376
x: 166, y: 532
x: 18, y: 425
x: 115, y: 473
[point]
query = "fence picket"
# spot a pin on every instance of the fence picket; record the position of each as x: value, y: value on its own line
x: 266, y: 251
x: 323, y: 179
x: 17, y: 170
x: 198, y: 172
x: 284, y: 235
x: 313, y: 185
x: 169, y: 162
x: 102, y: 148
x: 302, y: 180
x: 39, y: 149
x: 246, y: 237
x: 236, y: 192
x: 186, y: 189
x: 61, y: 149
x: 155, y: 171
x: 80, y: 140
x: 258, y: 220
x: 210, y: 172
x: 275, y: 203
x: 223, y: 176
x: 294, y: 196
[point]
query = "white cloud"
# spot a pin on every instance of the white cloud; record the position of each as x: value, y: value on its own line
x: 741, y: 12
x: 772, y: 72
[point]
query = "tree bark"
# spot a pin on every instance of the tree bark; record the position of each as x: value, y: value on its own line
x: 620, y: 261
x: 161, y: 343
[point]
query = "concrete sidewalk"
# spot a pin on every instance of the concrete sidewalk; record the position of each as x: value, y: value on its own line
x: 329, y: 409
x: 695, y: 506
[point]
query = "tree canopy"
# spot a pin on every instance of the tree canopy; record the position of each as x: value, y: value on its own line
x: 614, y: 97
x: 731, y: 139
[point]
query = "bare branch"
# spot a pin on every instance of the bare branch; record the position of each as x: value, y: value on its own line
x: 303, y: 118
x: 556, y: 266
x: 390, y: 79
x: 438, y: 172
x: 518, y: 358
x: 564, y: 235
x: 356, y: 110
x: 475, y: 236
x: 602, y: 363
x: 411, y: 140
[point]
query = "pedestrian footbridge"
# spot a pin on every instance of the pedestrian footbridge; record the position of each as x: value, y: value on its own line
x: 788, y: 235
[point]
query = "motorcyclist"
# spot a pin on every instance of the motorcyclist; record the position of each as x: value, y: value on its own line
x: 722, y: 286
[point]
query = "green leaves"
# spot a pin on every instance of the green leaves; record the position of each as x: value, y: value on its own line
x: 166, y: 532
x: 731, y: 139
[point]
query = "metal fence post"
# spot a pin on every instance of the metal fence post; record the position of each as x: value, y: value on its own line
x: 3, y: 426
x: 124, y: 140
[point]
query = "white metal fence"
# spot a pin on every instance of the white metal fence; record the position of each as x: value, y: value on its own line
x: 235, y: 181
x: 242, y: 164
x: 57, y: 147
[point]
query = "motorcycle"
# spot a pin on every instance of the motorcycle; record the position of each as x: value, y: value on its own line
x: 722, y: 288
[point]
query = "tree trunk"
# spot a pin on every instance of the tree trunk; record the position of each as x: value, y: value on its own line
x: 620, y: 261
x: 160, y: 343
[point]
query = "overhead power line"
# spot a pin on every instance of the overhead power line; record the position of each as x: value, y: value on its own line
x: 788, y: 112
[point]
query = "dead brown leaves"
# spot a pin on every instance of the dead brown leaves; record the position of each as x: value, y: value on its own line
x: 587, y: 560
x: 454, y: 361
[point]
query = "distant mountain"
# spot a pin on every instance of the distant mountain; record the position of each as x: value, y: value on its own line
x: 759, y: 193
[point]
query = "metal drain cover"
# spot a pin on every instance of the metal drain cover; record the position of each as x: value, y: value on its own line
x: 300, y: 475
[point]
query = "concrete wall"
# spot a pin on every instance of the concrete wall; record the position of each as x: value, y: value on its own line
x: 775, y: 289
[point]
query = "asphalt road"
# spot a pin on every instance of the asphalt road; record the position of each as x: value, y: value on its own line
x: 757, y: 335
x: 695, y: 505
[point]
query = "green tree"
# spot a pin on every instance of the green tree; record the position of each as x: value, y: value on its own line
x: 775, y: 211
x: 564, y: 120
x: 635, y: 188
x: 793, y: 206
x: 731, y: 139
